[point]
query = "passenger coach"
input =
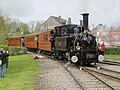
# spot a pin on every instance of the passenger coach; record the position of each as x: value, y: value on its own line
x: 31, y: 41
x: 16, y: 41
x: 44, y: 43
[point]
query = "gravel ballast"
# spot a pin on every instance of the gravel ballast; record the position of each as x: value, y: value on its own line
x: 54, y: 77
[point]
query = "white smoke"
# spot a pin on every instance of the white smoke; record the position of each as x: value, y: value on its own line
x: 85, y: 5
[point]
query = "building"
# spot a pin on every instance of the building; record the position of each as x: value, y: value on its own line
x: 106, y: 34
x: 52, y: 22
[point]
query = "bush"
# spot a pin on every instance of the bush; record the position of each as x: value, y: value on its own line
x: 112, y: 51
x: 6, y: 48
x: 15, y: 50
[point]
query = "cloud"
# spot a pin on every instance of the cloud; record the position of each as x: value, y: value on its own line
x: 17, y: 8
x: 101, y: 11
x: 104, y: 11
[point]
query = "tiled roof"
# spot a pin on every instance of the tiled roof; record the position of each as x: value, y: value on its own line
x: 60, y: 20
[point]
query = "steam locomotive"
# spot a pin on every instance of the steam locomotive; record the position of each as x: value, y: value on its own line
x: 76, y: 44
x: 70, y: 42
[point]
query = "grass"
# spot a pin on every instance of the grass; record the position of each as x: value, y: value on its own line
x: 113, y: 57
x: 20, y: 73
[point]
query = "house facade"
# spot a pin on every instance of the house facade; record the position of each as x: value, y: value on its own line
x: 52, y: 22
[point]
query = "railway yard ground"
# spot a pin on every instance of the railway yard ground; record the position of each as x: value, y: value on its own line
x: 57, y: 75
x: 48, y: 74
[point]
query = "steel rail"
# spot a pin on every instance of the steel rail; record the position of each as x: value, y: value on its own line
x: 110, y: 62
x: 110, y: 70
x: 89, y: 71
x: 103, y: 74
x: 72, y: 75
x: 107, y: 69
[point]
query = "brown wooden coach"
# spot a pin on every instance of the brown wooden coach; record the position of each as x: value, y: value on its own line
x: 44, y: 43
x: 16, y: 41
x: 31, y: 41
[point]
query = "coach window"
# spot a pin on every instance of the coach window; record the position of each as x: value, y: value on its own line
x: 45, y: 37
x: 25, y: 40
x: 36, y: 39
x: 33, y: 39
x: 28, y: 39
x: 17, y: 40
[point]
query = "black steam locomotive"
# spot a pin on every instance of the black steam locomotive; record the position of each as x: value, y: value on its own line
x: 75, y: 43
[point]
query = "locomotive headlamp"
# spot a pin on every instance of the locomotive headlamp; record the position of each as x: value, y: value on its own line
x: 78, y: 46
x: 74, y: 59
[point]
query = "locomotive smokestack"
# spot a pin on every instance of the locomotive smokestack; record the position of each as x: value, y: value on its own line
x: 85, y: 20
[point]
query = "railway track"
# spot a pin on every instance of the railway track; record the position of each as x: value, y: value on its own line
x: 109, y: 77
x: 69, y: 71
x: 109, y: 70
x: 89, y: 79
x: 86, y: 81
x: 111, y: 62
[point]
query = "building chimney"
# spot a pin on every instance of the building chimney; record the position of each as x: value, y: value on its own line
x: 69, y: 20
x: 85, y: 20
x: 59, y: 17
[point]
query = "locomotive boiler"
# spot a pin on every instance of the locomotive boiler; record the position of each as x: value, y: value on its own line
x: 75, y: 43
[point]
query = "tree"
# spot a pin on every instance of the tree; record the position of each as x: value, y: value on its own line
x: 3, y: 31
x: 12, y: 26
x: 31, y: 26
x: 24, y: 29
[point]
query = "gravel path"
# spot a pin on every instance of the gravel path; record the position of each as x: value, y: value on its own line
x: 54, y: 77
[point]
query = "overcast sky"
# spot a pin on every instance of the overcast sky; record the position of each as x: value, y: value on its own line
x: 101, y: 11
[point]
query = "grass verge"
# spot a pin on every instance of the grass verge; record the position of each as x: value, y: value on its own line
x: 113, y: 57
x: 20, y: 73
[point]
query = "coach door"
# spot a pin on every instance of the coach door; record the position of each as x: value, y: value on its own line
x: 36, y: 40
x: 22, y: 42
